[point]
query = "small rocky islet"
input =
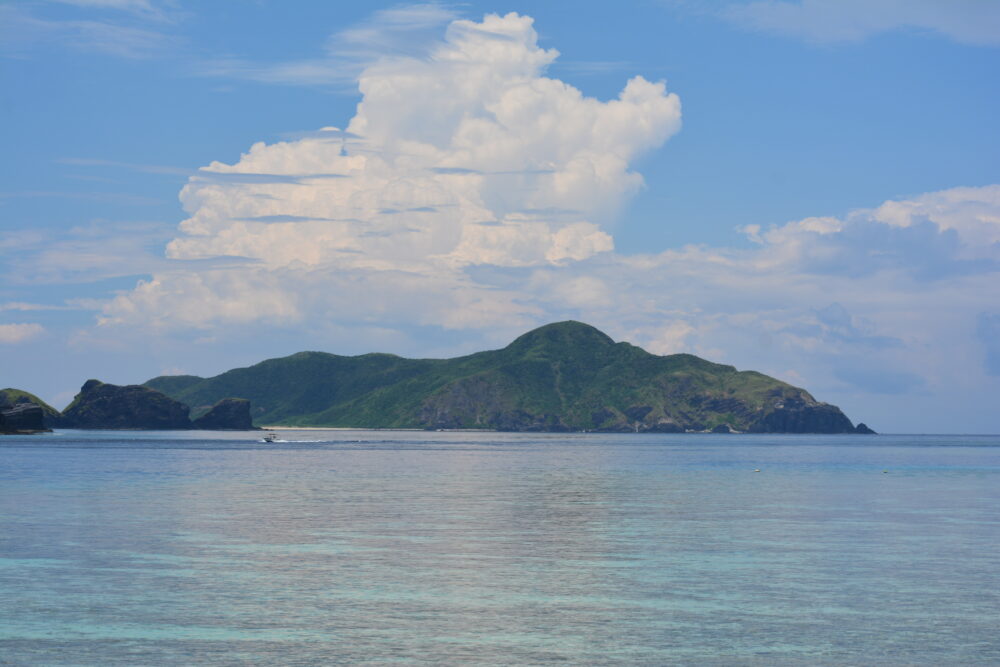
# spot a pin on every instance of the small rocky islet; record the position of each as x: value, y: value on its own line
x: 109, y: 406
x: 566, y: 376
x: 113, y: 407
x: 22, y: 412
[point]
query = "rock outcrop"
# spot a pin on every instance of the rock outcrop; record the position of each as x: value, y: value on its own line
x: 134, y: 407
x: 799, y: 414
x: 229, y: 414
x: 109, y: 406
x: 22, y: 418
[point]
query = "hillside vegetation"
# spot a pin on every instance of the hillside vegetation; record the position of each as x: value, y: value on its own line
x: 563, y: 376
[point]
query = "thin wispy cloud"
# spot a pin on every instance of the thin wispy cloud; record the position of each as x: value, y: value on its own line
x: 113, y: 197
x: 287, y: 218
x: 317, y: 72
x: 95, y: 252
x: 25, y: 31
x: 163, y: 11
x: 22, y: 306
x: 131, y: 166
x: 19, y: 332
x: 325, y: 133
x: 403, y: 31
x: 974, y: 22
x: 209, y: 176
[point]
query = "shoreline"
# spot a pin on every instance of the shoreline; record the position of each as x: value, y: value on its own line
x: 362, y: 428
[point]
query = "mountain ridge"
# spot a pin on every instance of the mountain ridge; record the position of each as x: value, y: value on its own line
x: 564, y: 376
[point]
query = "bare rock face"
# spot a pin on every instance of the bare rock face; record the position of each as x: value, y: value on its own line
x: 22, y: 418
x: 109, y: 406
x: 477, y: 401
x: 229, y: 414
x: 798, y: 415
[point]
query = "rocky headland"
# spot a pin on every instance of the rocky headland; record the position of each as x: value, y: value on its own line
x: 109, y: 406
x: 22, y: 418
x: 99, y: 405
x: 21, y: 412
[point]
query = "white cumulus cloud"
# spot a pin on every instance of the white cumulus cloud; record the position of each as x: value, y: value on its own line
x: 468, y: 157
x: 896, y: 300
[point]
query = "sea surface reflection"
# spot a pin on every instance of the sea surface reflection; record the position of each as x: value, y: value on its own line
x: 486, y: 548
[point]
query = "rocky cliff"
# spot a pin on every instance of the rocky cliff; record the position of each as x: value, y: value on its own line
x: 18, y: 413
x: 108, y: 406
x: 22, y: 418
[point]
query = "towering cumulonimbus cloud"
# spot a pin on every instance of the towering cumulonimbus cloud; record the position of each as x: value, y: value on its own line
x: 470, y: 156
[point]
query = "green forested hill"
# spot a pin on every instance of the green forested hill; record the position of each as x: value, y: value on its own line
x: 563, y: 376
x: 10, y: 397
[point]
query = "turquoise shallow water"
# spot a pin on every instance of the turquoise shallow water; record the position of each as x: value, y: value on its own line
x: 485, y: 548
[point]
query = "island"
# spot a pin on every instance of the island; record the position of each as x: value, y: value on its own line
x: 24, y: 413
x: 566, y: 376
x: 134, y: 407
x: 104, y: 406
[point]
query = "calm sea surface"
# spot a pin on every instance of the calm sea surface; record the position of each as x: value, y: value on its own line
x: 162, y: 548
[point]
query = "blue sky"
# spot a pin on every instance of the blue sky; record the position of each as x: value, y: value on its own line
x: 809, y: 189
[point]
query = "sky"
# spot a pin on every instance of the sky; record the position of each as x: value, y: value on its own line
x: 807, y: 188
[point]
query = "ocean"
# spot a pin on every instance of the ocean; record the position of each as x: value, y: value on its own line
x: 377, y: 547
